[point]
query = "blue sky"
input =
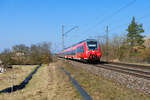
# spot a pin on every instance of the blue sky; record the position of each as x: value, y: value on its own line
x: 33, y: 21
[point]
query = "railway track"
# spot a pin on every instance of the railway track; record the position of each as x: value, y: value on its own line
x: 140, y: 71
x: 129, y: 65
x: 130, y: 69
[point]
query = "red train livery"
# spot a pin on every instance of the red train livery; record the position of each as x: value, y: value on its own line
x: 85, y: 50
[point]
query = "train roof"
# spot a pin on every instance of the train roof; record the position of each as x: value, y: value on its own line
x: 80, y: 42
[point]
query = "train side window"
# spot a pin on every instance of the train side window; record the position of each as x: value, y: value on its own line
x: 73, y: 52
x: 83, y: 48
x: 78, y: 49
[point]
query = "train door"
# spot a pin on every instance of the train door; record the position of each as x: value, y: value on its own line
x: 80, y: 52
x: 84, y: 51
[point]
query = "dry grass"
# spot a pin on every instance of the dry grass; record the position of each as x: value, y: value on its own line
x: 100, y: 88
x: 48, y: 83
x: 19, y: 72
x: 33, y: 90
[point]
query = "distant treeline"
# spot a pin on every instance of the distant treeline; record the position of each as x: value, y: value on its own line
x: 21, y: 54
x: 131, y: 47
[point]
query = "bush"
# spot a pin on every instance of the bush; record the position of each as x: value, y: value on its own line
x: 21, y: 54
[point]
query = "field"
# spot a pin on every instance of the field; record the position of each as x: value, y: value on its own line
x: 19, y: 72
x: 48, y: 83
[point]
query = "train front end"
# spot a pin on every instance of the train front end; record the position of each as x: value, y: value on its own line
x: 93, y: 50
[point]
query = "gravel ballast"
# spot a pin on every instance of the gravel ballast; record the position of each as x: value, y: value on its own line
x: 128, y: 81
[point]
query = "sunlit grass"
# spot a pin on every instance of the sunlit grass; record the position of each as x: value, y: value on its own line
x: 100, y: 88
x: 19, y: 73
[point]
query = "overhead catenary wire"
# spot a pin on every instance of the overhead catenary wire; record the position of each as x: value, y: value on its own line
x: 111, y: 15
x: 116, y: 12
x: 71, y: 29
x: 140, y: 18
x: 65, y: 33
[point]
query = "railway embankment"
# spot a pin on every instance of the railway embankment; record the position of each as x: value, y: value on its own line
x: 102, y: 84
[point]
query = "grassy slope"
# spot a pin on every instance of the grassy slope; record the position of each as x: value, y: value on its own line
x: 102, y: 89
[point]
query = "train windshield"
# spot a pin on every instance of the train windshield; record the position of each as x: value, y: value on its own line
x: 92, y: 45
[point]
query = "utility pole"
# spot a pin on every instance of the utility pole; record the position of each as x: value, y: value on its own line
x: 64, y: 33
x: 107, y: 52
x: 62, y: 36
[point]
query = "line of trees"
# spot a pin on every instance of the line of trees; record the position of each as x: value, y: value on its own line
x: 132, y: 47
x: 21, y: 54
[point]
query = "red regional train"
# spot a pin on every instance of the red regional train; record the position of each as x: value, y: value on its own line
x: 87, y: 50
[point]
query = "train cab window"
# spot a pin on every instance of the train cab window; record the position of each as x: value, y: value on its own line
x: 92, y: 45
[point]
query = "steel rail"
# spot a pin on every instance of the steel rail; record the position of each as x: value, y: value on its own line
x: 126, y: 71
x: 125, y: 68
x: 128, y: 65
x: 129, y: 69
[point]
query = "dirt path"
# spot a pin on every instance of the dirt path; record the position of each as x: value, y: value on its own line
x: 52, y: 82
x: 59, y: 86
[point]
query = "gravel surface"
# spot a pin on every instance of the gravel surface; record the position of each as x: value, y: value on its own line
x: 128, y: 81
